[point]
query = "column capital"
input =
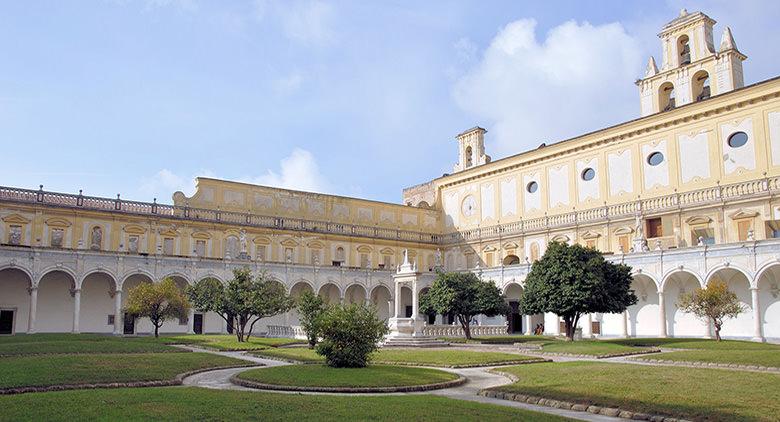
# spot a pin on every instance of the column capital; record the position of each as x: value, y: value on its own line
x: 753, y: 288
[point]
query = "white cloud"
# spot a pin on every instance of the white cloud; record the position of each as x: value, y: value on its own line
x: 298, y: 171
x: 165, y: 182
x: 528, y: 92
x: 288, y: 84
x: 304, y: 21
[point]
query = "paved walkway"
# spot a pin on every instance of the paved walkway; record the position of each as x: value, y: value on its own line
x: 478, y: 379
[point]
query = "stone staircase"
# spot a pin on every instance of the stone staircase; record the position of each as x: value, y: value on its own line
x: 414, y: 342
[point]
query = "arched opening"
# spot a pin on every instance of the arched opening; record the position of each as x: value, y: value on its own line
x: 469, y: 157
x: 737, y: 282
x: 261, y: 327
x: 130, y: 324
x: 511, y: 260
x: 55, y: 302
x: 701, y: 85
x: 181, y: 325
x: 296, y: 291
x: 382, y: 299
x: 210, y: 322
x: 97, y: 312
x: 683, y: 50
x: 406, y: 302
x: 14, y: 301
x: 666, y: 97
x: 769, y: 300
x: 330, y: 293
x: 355, y: 294
x: 514, y: 293
x: 643, y: 317
x: 679, y: 323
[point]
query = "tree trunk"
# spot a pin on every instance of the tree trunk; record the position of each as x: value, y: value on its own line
x: 717, y: 330
x: 464, y: 322
x: 156, y: 331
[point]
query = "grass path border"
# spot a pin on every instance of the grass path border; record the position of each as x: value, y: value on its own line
x: 355, y: 390
x: 702, y: 364
x: 602, y: 356
x: 566, y: 405
x: 177, y: 380
x: 259, y: 353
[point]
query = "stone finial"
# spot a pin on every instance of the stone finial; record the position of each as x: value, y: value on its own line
x: 727, y: 40
x: 651, y: 69
x: 683, y: 12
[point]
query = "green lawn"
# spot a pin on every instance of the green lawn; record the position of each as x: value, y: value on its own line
x: 78, y: 343
x: 693, y: 393
x: 188, y: 404
x: 43, y: 370
x: 229, y: 342
x: 769, y: 358
x: 696, y: 343
x: 422, y: 357
x: 325, y: 376
x: 594, y: 348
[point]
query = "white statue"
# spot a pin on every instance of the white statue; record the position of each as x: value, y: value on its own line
x: 638, y: 229
x: 242, y: 240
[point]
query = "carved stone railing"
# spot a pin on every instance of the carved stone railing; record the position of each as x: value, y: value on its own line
x: 713, y: 195
x: 287, y: 331
x: 457, y: 330
x: 118, y: 205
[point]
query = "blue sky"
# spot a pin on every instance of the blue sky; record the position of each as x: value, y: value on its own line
x: 347, y: 97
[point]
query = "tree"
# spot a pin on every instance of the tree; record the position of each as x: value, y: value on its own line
x: 243, y: 301
x: 574, y: 280
x: 158, y: 302
x: 464, y: 295
x: 714, y: 303
x: 311, y: 307
x: 350, y: 334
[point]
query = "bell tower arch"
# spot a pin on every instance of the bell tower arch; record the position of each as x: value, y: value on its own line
x: 471, y: 149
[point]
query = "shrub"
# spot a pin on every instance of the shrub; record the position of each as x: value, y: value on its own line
x: 311, y: 307
x: 350, y: 334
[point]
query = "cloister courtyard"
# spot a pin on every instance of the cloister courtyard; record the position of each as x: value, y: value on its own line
x: 538, y: 378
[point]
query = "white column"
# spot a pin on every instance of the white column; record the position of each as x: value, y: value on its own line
x: 368, y: 299
x: 76, y: 310
x: 661, y: 315
x: 625, y: 324
x: 758, y: 335
x: 587, y: 327
x: 527, y: 325
x: 398, y: 300
x: 118, y: 317
x: 415, y: 305
x: 191, y: 321
x: 33, y: 309
x: 390, y: 308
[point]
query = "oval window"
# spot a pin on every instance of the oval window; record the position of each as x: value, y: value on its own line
x: 655, y: 158
x: 737, y: 139
x: 532, y: 187
x: 588, y: 174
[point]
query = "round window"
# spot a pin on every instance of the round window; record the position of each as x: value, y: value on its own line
x: 532, y: 187
x: 737, y: 139
x: 655, y: 158
x: 588, y: 174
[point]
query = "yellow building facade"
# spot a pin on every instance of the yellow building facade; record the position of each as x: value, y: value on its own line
x: 684, y: 194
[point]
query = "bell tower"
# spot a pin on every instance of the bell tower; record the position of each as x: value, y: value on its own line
x: 692, y: 69
x: 471, y: 149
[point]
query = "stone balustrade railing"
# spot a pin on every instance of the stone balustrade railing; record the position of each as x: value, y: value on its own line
x: 713, y: 195
x: 457, y: 330
x: 287, y: 331
x: 18, y: 195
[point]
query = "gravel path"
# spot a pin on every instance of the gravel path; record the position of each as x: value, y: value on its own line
x: 478, y: 379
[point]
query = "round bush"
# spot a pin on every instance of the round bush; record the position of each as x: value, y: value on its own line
x: 350, y: 334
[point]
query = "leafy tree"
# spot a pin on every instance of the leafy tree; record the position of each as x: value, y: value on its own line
x: 464, y: 295
x: 243, y: 301
x: 157, y: 301
x: 350, y: 334
x: 574, y: 280
x: 714, y: 303
x: 311, y: 307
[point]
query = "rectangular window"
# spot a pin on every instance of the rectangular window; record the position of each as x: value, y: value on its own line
x: 364, y: 260
x: 15, y: 235
x: 470, y: 261
x: 654, y: 228
x: 260, y: 253
x: 703, y: 236
x: 168, y: 246
x: 288, y: 255
x: 200, y: 248
x: 623, y: 243
x: 316, y: 258
x: 595, y: 327
x: 56, y: 238
x: 387, y: 261
x: 110, y: 320
x: 132, y: 244
x: 743, y: 229
x: 489, y: 259
x: 591, y: 243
